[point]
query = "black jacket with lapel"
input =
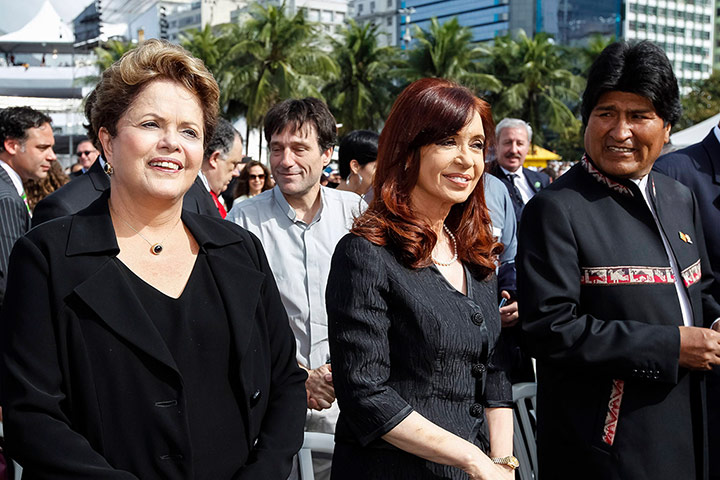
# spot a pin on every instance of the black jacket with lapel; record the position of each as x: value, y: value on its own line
x: 198, y: 200
x: 537, y: 181
x: 92, y: 390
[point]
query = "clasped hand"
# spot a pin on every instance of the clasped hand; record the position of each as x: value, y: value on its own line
x: 699, y: 347
x: 319, y: 388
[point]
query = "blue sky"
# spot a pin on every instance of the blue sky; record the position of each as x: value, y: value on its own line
x: 16, y: 13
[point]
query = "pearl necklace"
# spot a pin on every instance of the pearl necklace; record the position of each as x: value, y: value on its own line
x: 454, y: 244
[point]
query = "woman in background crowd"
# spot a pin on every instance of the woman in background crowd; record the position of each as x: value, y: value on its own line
x: 356, y: 162
x: 153, y: 342
x: 36, y: 190
x: 253, y: 180
x: 412, y: 304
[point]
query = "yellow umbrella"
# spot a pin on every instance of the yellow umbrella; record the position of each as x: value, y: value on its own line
x: 539, y: 157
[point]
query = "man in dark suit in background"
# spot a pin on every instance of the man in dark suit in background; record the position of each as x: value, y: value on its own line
x: 698, y: 168
x: 86, y: 154
x: 26, y: 153
x: 221, y: 163
x: 513, y: 143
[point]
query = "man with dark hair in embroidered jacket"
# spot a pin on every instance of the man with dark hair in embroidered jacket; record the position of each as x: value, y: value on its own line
x: 614, y: 281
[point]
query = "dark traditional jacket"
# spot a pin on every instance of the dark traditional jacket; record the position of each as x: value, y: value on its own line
x: 90, y: 388
x: 601, y: 314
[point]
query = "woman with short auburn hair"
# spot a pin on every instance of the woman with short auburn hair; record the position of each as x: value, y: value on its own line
x: 153, y: 342
x: 412, y: 304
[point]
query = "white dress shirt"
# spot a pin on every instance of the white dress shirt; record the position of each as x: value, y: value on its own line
x: 685, y: 306
x: 521, y: 182
x: 15, y: 177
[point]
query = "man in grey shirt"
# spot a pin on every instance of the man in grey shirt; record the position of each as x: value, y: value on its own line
x: 299, y: 223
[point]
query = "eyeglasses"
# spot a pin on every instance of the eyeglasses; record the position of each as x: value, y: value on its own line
x: 257, y: 177
x: 85, y: 152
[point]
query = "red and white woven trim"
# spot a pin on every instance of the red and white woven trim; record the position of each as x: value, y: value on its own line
x: 613, y: 414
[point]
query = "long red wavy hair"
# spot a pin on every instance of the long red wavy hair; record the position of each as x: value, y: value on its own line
x: 426, y: 112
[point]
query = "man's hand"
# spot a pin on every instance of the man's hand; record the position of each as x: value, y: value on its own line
x: 319, y: 388
x: 699, y: 348
x: 509, y: 313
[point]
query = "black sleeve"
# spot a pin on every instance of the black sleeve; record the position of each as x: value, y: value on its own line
x: 358, y: 326
x: 281, y: 434
x: 38, y: 433
x: 549, y: 294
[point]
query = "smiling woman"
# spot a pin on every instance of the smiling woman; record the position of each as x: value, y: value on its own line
x: 165, y: 351
x: 412, y: 304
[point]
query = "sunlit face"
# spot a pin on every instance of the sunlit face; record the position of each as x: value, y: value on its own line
x: 450, y: 168
x: 86, y: 154
x: 32, y: 158
x: 296, y: 160
x: 256, y: 179
x: 225, y: 168
x: 624, y: 134
x: 158, y: 148
x: 512, y: 148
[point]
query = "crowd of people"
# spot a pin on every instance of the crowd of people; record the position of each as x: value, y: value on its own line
x: 174, y: 309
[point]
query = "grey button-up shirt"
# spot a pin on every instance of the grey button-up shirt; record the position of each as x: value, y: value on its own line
x: 299, y: 255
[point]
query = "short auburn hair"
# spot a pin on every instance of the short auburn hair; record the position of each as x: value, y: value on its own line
x: 152, y: 60
x: 426, y: 112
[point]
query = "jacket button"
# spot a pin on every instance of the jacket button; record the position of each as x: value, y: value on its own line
x: 476, y: 410
x: 477, y: 370
x: 256, y: 396
x: 477, y: 318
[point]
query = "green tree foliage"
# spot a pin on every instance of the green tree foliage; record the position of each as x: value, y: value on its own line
x: 536, y: 85
x: 274, y: 57
x: 702, y: 102
x: 361, y: 95
x: 111, y: 52
x: 446, y: 51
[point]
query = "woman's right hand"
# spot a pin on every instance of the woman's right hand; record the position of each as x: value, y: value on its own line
x: 484, y: 469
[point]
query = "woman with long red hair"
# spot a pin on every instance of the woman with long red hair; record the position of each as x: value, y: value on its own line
x: 412, y: 304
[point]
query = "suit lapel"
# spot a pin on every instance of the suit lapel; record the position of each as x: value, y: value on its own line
x: 98, y: 177
x: 712, y: 148
x: 6, y: 178
x: 108, y: 294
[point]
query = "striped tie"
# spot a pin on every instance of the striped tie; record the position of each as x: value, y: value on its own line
x: 27, y: 205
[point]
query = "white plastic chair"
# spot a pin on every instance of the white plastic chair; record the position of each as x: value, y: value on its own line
x: 314, y: 442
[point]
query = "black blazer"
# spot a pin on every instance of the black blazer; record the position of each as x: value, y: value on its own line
x: 198, y: 200
x: 14, y: 222
x: 600, y: 313
x: 537, y: 181
x: 404, y: 340
x: 91, y: 390
x: 72, y: 197
x: 81, y: 192
x: 698, y: 168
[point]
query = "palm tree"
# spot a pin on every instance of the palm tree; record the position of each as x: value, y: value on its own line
x: 274, y: 57
x: 537, y: 86
x: 205, y: 45
x: 447, y: 51
x: 106, y: 56
x: 362, y: 94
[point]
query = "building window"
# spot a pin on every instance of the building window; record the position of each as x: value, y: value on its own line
x: 360, y: 8
x: 389, y: 21
x: 389, y: 3
x: 372, y: 7
x: 314, y: 15
x: 327, y: 16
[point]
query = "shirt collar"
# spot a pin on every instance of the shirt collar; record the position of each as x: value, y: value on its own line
x: 288, y: 210
x: 517, y: 172
x: 204, y: 180
x: 716, y: 130
x: 14, y: 176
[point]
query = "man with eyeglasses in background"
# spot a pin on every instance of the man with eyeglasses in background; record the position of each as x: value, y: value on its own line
x: 86, y: 156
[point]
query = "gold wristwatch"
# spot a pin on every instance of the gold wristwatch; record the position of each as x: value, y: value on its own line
x: 510, y: 461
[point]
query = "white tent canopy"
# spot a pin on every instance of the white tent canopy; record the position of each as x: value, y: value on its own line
x: 44, y: 33
x: 694, y: 134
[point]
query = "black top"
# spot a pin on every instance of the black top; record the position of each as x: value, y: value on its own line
x: 404, y: 340
x: 195, y: 329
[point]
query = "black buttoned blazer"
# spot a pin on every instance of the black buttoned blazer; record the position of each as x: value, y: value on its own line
x: 91, y: 389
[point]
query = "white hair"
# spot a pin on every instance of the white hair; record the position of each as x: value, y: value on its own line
x: 513, y: 123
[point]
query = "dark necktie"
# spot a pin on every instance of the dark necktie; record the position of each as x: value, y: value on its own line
x: 516, y: 191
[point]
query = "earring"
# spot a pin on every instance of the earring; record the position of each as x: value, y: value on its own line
x: 109, y: 170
